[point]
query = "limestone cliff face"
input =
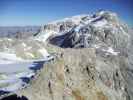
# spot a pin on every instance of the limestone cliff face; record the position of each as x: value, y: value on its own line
x: 78, y: 75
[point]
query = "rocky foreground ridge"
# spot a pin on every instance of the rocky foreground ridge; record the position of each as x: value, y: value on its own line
x: 79, y: 75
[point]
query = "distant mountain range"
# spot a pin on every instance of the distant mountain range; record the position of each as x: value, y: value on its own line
x: 18, y: 31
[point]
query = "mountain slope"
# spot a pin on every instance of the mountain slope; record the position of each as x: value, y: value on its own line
x: 93, y: 59
x: 106, y: 33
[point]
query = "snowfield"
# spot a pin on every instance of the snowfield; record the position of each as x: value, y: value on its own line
x: 110, y: 50
x: 15, y: 72
x: 8, y: 58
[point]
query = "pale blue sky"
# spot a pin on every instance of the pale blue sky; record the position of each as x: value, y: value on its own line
x: 38, y: 12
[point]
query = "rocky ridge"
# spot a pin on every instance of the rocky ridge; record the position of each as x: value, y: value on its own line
x: 79, y: 75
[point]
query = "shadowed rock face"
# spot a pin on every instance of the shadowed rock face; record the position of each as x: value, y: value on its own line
x: 14, y: 97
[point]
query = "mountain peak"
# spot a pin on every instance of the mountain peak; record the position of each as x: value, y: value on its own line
x: 103, y: 27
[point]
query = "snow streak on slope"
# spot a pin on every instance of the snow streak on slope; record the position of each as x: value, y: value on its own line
x: 8, y: 58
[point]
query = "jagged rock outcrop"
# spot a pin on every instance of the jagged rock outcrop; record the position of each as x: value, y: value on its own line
x: 79, y: 75
x: 58, y: 27
x: 102, y: 29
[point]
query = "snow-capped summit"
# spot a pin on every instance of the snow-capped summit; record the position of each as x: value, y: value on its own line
x: 58, y: 27
x: 102, y: 28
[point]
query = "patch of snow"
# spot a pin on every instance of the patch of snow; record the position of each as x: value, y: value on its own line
x: 9, y: 58
x: 15, y: 67
x: 100, y: 23
x: 44, y: 52
x: 3, y: 76
x: 28, y: 48
x: 101, y: 13
x: 29, y: 54
x: 94, y: 19
x: 78, y: 27
x: 24, y: 45
x: 13, y: 74
x: 96, y: 46
x: 111, y: 51
x: 3, y: 61
x: 123, y: 31
x: 61, y: 33
x: 44, y: 36
x: 13, y: 85
x: 27, y: 74
x: 9, y: 39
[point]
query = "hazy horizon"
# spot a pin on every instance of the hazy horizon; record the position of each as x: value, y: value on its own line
x: 39, y: 12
